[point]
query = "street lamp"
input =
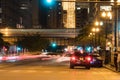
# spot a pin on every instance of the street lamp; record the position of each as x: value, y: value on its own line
x: 107, y: 15
x: 91, y: 36
x: 95, y: 30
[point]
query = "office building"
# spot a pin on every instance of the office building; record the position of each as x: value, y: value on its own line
x: 9, y: 13
x: 25, y: 11
x: 55, y: 16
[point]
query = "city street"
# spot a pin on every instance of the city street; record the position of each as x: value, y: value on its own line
x: 50, y: 70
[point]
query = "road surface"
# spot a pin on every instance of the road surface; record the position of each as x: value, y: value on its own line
x: 50, y: 70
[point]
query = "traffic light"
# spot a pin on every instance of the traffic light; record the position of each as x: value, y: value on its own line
x: 54, y: 44
x: 49, y: 1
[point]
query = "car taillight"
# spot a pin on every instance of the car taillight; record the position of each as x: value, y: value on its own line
x: 88, y: 58
x: 73, y: 58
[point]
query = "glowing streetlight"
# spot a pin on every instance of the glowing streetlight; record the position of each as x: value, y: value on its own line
x: 98, y: 23
x: 95, y: 30
x: 107, y: 14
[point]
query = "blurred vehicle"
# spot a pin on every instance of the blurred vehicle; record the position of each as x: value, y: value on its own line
x: 48, y: 55
x: 80, y: 59
x: 64, y: 58
x: 97, y: 60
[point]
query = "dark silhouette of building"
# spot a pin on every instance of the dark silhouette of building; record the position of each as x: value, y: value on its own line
x: 9, y: 13
x: 35, y: 13
x: 51, y: 16
x: 55, y: 16
x: 16, y: 13
x: 25, y: 11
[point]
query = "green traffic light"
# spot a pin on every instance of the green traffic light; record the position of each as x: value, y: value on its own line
x: 53, y: 44
x: 49, y: 1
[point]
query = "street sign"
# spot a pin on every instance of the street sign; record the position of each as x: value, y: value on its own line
x: 106, y: 8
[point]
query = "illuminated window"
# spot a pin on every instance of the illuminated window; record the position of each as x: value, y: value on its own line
x: 0, y: 20
x: 0, y: 10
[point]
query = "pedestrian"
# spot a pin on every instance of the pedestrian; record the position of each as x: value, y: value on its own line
x: 115, y: 60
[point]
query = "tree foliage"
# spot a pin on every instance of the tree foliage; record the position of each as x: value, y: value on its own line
x: 84, y: 39
x: 2, y: 42
x: 33, y: 43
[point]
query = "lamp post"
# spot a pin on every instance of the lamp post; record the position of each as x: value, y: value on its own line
x: 95, y: 30
x: 91, y: 35
x: 98, y: 24
x: 107, y: 15
x: 115, y: 24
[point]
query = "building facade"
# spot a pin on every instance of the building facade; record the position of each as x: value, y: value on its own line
x: 9, y: 13
x: 16, y: 13
x: 25, y: 10
x: 55, y: 16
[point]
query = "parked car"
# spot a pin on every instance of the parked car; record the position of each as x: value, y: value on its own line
x: 97, y: 60
x: 80, y: 59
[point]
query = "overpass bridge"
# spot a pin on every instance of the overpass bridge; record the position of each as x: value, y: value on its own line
x: 61, y: 33
x: 60, y: 36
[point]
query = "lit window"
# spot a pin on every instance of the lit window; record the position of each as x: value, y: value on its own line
x: 78, y: 8
x: 0, y: 10
x: 23, y: 8
x: 59, y: 4
x: 0, y: 20
x: 59, y: 13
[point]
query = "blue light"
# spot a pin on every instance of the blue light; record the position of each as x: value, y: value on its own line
x: 49, y: 1
x: 89, y: 49
x: 54, y: 44
x: 18, y: 48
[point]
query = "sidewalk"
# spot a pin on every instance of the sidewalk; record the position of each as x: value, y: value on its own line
x: 110, y: 67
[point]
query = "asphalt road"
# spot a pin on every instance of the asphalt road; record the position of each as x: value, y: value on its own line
x: 50, y: 70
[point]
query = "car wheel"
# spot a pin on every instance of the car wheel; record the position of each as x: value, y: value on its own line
x: 87, y: 67
x: 71, y: 66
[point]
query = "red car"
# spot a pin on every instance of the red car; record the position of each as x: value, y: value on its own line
x: 80, y: 59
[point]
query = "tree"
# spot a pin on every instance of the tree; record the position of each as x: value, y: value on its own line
x: 84, y: 39
x: 33, y: 42
x: 2, y: 42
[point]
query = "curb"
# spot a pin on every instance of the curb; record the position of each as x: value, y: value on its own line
x: 111, y: 68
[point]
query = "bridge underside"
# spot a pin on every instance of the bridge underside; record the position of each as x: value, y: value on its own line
x: 63, y: 33
x: 60, y: 36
